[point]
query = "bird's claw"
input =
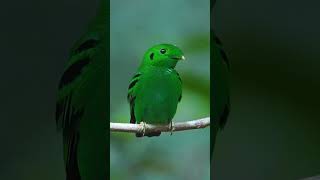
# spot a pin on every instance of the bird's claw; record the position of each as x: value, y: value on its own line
x: 143, y: 128
x: 171, y: 127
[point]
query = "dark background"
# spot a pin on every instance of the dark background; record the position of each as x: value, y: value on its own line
x: 35, y: 38
x: 273, y: 131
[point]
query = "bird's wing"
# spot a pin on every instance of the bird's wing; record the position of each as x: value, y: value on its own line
x: 222, y: 53
x: 221, y: 72
x: 70, y: 105
x: 75, y: 75
x: 132, y: 95
x: 179, y: 78
x: 220, y: 68
x: 81, y: 101
x: 225, y: 70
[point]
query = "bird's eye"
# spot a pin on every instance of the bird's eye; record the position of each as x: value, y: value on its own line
x: 162, y: 51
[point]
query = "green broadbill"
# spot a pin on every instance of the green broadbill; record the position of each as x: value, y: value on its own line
x: 220, y: 89
x: 156, y: 89
x: 81, y: 110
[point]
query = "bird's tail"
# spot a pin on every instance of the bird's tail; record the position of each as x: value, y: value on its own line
x: 72, y: 169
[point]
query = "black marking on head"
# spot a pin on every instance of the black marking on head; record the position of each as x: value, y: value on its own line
x: 151, y: 56
x: 91, y: 43
x: 180, y: 97
x: 163, y: 51
x: 225, y: 58
x: 73, y: 72
x: 133, y: 83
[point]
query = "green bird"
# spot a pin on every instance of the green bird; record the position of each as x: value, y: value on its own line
x: 82, y: 104
x: 220, y: 89
x: 156, y: 89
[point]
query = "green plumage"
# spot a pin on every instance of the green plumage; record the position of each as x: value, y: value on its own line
x: 220, y: 99
x: 81, y: 111
x: 156, y: 89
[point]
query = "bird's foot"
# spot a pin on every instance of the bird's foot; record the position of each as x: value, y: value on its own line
x: 171, y: 128
x: 143, y: 128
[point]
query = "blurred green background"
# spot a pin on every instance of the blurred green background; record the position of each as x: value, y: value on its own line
x: 273, y: 131
x: 135, y: 27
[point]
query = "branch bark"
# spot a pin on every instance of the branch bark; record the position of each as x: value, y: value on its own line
x: 180, y: 126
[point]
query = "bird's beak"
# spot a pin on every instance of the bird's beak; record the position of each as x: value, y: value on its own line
x: 178, y: 57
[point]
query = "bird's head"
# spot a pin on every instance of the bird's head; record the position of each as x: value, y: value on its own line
x: 163, y: 55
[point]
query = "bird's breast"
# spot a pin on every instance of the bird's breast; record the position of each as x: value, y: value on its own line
x: 158, y: 95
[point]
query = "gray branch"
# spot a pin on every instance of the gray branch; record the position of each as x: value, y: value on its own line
x: 179, y: 126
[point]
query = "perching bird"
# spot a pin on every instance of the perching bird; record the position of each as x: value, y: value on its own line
x: 220, y: 89
x: 81, y: 109
x: 155, y: 90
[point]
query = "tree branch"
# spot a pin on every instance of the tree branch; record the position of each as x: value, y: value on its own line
x: 180, y: 126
